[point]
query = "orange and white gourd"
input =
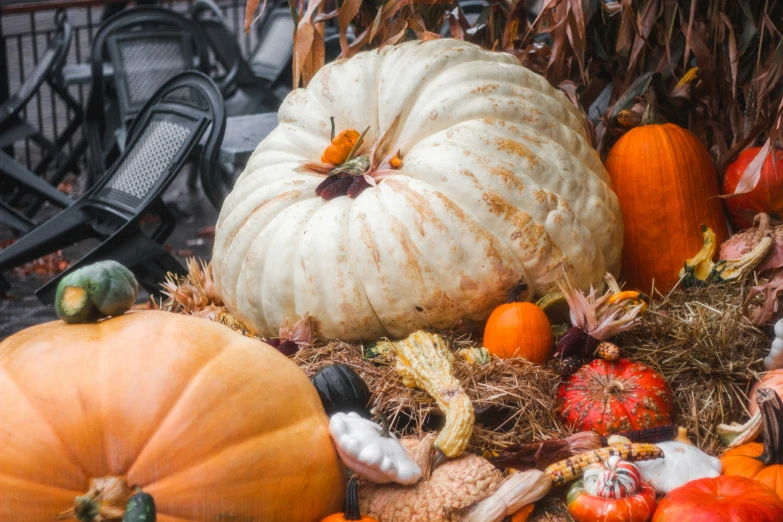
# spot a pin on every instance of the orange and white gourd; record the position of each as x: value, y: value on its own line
x: 483, y: 175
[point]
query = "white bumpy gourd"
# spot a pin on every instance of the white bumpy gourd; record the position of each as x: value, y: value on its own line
x: 499, y: 183
x: 774, y: 360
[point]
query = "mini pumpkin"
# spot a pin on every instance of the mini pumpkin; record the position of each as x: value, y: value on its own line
x: 103, y: 289
x: 720, y: 499
x: 371, y: 451
x: 611, y: 491
x: 610, y: 397
x: 682, y: 463
x: 342, y: 390
x: 519, y: 329
x: 761, y: 461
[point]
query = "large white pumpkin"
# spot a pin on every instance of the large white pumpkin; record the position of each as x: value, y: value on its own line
x: 499, y: 183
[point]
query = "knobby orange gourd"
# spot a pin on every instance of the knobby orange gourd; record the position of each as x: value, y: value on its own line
x: 761, y: 461
x: 666, y: 182
x: 213, y: 425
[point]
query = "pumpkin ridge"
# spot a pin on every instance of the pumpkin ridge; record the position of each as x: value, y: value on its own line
x: 352, y: 256
x: 38, y: 485
x: 67, y: 450
x: 300, y: 220
x: 205, y: 459
x: 173, y: 407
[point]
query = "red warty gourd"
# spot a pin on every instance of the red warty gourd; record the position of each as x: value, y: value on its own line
x: 666, y: 182
x: 766, y: 197
x: 213, y: 425
x: 610, y: 397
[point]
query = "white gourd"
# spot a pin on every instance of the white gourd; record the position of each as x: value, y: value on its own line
x: 499, y: 182
x: 366, y: 450
x: 682, y: 463
x: 774, y: 360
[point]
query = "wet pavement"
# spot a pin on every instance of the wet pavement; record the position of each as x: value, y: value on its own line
x: 21, y: 309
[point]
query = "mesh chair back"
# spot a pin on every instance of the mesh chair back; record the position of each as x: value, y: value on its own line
x: 166, y: 131
x: 143, y: 62
x: 174, y: 38
x: 48, y: 66
x: 276, y: 45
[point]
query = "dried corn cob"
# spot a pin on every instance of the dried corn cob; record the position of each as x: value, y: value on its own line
x: 651, y: 435
x: 607, y: 351
x: 569, y: 365
x: 573, y: 467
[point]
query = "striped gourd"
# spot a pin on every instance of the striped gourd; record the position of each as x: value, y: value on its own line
x: 614, y: 478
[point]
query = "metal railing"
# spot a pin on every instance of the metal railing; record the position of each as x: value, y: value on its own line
x: 25, y: 29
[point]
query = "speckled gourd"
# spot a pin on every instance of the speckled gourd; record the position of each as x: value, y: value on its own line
x: 498, y: 182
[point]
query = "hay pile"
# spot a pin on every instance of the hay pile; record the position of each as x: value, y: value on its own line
x: 697, y: 339
x: 708, y: 351
x: 513, y: 399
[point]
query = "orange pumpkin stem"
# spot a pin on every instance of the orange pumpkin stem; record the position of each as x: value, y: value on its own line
x: 771, y: 408
x: 104, y: 502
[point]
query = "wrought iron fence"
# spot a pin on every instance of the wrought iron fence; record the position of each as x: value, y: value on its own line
x: 25, y: 29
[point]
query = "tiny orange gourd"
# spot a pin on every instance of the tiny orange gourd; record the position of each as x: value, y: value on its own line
x: 337, y: 152
x: 519, y: 329
x: 351, y: 506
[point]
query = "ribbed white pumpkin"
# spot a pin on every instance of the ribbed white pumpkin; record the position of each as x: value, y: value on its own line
x: 499, y: 182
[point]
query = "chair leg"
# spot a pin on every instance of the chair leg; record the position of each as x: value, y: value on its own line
x: 64, y: 229
x: 148, y: 260
x: 12, y: 218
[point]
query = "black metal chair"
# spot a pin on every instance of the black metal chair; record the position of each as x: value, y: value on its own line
x: 244, y: 92
x: 146, y: 46
x: 168, y: 128
x: 14, y: 128
x: 27, y: 183
x: 274, y: 52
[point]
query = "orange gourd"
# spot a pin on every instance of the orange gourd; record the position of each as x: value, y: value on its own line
x: 212, y: 424
x: 351, y: 506
x: 337, y: 152
x: 519, y: 329
x: 761, y: 461
x: 665, y: 180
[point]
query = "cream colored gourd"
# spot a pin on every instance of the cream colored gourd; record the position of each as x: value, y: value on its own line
x: 498, y: 183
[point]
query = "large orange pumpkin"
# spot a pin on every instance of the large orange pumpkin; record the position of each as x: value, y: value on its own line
x: 214, y: 425
x: 665, y: 180
x: 761, y: 461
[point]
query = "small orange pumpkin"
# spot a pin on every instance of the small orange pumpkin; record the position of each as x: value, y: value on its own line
x: 337, y: 152
x: 351, y: 506
x: 761, y: 461
x: 519, y: 329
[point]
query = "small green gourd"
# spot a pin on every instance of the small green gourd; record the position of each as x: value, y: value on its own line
x: 140, y: 508
x: 103, y: 289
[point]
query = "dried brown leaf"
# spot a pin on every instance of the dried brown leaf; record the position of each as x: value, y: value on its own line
x: 348, y: 10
